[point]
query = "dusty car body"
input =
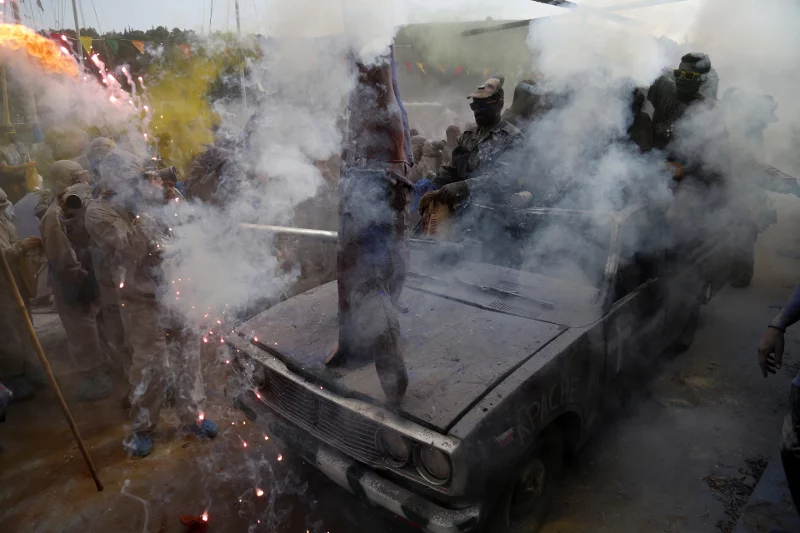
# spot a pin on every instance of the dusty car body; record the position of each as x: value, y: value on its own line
x: 508, y: 367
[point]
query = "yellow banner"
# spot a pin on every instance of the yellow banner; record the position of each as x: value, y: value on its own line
x: 87, y: 44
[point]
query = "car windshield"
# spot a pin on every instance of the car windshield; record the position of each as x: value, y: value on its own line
x: 541, y: 257
x: 568, y: 246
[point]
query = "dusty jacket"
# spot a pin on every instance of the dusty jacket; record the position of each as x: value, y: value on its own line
x: 114, y: 231
x: 15, y: 349
x: 61, y: 257
x: 486, y: 161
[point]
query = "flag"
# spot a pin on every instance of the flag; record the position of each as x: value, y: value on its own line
x: 422, y: 67
x: 408, y: 67
x: 187, y: 49
x: 113, y: 44
x: 459, y: 70
x: 139, y: 45
x: 87, y: 44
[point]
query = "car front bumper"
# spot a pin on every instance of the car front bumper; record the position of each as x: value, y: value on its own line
x: 356, y: 478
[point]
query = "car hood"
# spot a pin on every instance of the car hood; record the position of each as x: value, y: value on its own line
x: 455, y: 352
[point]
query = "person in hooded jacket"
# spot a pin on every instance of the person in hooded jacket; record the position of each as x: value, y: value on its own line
x: 121, y: 229
x: 71, y: 277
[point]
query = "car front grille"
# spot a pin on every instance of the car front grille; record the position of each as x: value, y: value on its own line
x: 349, y: 432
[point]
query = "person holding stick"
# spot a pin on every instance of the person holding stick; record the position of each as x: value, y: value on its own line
x: 16, y: 356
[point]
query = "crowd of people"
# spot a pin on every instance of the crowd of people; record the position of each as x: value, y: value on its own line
x: 100, y: 227
x: 100, y: 221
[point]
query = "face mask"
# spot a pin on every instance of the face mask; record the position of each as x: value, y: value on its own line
x: 486, y: 113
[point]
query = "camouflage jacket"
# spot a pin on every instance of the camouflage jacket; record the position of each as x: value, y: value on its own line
x: 692, y: 132
x: 486, y: 161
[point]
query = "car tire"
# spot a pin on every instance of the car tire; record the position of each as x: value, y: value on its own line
x: 524, y: 505
x: 744, y: 260
x: 686, y: 338
x: 742, y: 271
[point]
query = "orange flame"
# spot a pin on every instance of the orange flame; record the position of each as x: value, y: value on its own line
x: 44, y: 51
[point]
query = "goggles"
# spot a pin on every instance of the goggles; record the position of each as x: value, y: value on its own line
x: 686, y: 75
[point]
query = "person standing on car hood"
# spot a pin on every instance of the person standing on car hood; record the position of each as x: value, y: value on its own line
x: 480, y: 162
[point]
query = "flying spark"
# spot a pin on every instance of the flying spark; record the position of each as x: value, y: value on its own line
x: 259, y: 492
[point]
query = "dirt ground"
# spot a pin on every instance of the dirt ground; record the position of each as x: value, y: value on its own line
x: 665, y: 462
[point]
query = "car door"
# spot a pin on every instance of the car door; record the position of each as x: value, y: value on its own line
x: 634, y: 325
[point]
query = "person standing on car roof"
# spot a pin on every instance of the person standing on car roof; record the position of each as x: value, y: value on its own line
x: 770, y: 359
x: 481, y: 162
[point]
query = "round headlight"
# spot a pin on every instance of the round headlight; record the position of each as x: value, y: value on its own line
x: 396, y: 447
x: 434, y: 465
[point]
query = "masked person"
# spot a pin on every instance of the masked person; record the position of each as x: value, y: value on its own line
x: 481, y: 162
x: 97, y: 150
x: 524, y: 106
x: 16, y: 350
x: 71, y: 277
x: 121, y: 229
x: 17, y: 169
x: 690, y: 129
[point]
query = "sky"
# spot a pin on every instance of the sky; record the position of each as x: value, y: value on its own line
x: 107, y: 15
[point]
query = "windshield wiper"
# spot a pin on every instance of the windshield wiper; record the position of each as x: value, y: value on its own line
x: 488, y: 289
x: 494, y: 290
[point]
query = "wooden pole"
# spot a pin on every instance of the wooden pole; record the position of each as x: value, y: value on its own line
x: 241, y: 51
x: 6, y: 118
x: 78, y: 33
x: 46, y: 365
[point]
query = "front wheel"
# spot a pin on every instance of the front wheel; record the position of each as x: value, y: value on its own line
x: 686, y: 338
x: 524, y: 505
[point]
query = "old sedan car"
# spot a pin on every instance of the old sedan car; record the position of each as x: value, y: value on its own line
x: 508, y: 367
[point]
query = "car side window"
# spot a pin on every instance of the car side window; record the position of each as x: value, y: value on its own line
x: 641, y: 252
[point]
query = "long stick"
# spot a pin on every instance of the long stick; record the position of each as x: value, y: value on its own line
x: 46, y: 365
x: 241, y: 51
x: 78, y: 34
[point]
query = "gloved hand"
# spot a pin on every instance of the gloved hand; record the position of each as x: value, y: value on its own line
x: 520, y: 199
x: 678, y: 170
x: 29, y: 244
x: 770, y: 351
x: 450, y: 194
